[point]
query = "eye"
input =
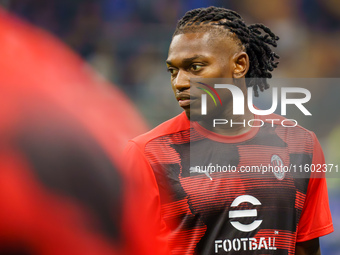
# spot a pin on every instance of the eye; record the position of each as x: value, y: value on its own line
x: 172, y: 70
x: 196, y: 67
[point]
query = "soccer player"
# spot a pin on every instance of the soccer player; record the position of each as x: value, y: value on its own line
x: 230, y: 212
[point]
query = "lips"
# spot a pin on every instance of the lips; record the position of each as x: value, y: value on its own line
x: 184, y: 103
x: 184, y: 100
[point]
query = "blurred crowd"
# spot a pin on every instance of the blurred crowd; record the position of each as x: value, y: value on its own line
x: 127, y: 41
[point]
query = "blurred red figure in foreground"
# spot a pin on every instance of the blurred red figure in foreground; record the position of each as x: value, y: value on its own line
x: 63, y: 189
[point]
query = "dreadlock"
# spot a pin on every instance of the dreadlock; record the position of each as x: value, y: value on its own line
x: 256, y: 39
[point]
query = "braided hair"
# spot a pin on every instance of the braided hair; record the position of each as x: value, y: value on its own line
x: 256, y: 40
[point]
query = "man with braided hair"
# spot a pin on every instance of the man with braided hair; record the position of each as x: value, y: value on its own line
x: 209, y: 205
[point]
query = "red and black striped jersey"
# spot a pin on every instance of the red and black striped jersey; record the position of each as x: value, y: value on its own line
x: 220, y: 194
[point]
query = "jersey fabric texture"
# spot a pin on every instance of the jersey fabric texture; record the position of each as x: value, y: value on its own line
x: 234, y: 212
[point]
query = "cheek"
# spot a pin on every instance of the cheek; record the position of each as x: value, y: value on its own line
x: 222, y: 69
x: 173, y: 86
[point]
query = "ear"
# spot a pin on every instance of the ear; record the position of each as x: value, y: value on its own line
x: 241, y: 64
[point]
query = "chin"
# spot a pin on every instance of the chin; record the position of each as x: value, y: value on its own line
x: 193, y: 115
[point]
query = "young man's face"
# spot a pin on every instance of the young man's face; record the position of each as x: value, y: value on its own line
x: 199, y: 55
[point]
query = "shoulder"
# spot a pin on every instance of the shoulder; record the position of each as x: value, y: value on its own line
x: 174, y: 125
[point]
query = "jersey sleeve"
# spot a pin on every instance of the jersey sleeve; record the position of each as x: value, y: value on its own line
x: 146, y: 199
x: 316, y: 217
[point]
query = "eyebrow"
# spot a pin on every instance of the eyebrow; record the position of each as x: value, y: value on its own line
x: 186, y: 60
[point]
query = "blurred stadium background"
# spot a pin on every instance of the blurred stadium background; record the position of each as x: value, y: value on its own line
x: 126, y: 41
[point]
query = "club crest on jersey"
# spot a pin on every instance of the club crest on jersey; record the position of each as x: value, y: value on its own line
x: 277, y: 164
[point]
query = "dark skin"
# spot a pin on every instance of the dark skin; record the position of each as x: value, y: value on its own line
x: 311, y: 247
x: 199, y: 55
x: 210, y: 55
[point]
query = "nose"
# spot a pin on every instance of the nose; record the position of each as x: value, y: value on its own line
x: 182, y: 81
